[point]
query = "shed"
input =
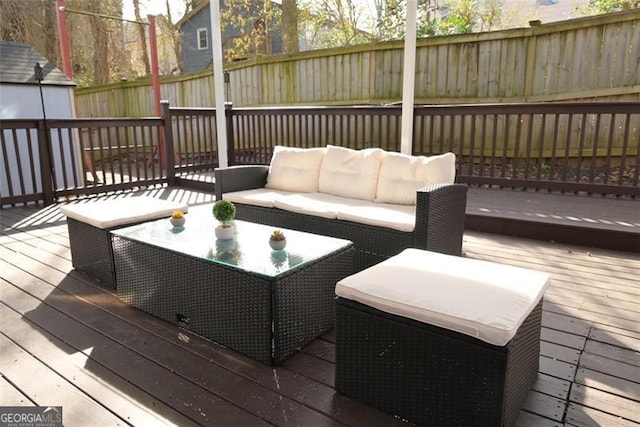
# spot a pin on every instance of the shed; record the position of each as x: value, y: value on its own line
x: 20, y: 99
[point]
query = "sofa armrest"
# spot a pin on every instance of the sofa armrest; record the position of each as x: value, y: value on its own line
x: 440, y: 214
x: 238, y: 178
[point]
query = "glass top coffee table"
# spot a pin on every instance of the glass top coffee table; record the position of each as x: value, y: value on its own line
x: 239, y: 293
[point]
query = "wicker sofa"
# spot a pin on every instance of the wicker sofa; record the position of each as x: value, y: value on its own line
x: 383, y: 202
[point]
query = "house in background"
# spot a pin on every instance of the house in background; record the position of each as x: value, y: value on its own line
x: 20, y: 99
x: 195, y: 26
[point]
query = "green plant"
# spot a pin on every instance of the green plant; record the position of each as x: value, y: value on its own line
x: 545, y: 167
x: 224, y: 211
x: 278, y: 235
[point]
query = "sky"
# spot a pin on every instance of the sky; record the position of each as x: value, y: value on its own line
x: 153, y: 7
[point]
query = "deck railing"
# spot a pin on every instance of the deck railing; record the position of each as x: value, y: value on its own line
x: 61, y: 158
x: 577, y: 147
x: 590, y: 148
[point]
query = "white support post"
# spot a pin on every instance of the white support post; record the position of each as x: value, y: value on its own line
x: 408, y: 79
x: 218, y: 82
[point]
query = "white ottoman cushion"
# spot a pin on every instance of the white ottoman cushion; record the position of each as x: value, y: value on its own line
x: 482, y: 299
x: 112, y: 213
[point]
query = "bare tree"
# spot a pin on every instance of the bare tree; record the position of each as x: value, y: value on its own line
x: 176, y: 35
x: 143, y: 37
x: 290, y: 37
x: 32, y: 23
x: 333, y: 23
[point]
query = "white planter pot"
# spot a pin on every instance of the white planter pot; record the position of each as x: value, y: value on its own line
x: 277, y: 245
x: 224, y: 232
x: 177, y: 222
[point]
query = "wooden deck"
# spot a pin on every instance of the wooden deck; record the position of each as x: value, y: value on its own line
x: 66, y: 341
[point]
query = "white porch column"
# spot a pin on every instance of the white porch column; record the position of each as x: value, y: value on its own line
x: 408, y: 79
x: 218, y: 82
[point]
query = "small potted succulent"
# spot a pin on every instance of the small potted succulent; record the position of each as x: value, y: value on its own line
x: 224, y: 211
x: 177, y: 219
x: 277, y: 240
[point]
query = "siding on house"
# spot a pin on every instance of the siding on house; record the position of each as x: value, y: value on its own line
x: 198, y: 59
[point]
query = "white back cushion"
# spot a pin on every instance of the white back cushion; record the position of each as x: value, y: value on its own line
x: 402, y: 175
x: 482, y: 299
x: 295, y: 169
x: 350, y: 173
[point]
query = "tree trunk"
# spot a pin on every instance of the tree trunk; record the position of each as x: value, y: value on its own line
x: 176, y: 38
x: 290, y: 27
x: 143, y: 38
x: 100, y: 45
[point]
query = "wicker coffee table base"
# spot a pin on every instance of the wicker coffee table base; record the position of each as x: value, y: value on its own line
x: 265, y: 318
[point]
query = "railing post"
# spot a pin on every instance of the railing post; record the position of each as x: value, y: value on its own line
x: 228, y: 109
x: 46, y: 174
x: 167, y: 129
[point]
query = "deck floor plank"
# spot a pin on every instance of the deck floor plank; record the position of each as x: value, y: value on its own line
x: 557, y: 368
x: 113, y: 392
x: 546, y: 406
x: 583, y: 416
x: 600, y: 335
x: 590, y: 339
x: 173, y: 390
x: 46, y: 388
x: 552, y: 386
x: 605, y: 402
x: 11, y: 396
x: 564, y: 338
x: 614, y: 352
x: 610, y: 367
x: 560, y: 352
x: 608, y: 383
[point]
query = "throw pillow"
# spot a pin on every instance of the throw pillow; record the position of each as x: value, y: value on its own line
x: 402, y: 175
x: 295, y: 169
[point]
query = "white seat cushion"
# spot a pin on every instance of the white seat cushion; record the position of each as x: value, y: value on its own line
x: 256, y: 197
x: 396, y: 217
x: 317, y: 204
x: 482, y: 299
x: 350, y: 173
x: 112, y: 213
x: 402, y: 175
x: 295, y: 169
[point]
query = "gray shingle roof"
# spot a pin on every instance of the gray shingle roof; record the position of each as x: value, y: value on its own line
x: 17, y: 61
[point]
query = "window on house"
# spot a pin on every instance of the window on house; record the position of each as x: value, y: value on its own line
x: 203, y: 38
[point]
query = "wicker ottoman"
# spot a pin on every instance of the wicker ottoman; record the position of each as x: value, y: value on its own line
x: 440, y: 340
x: 89, y: 224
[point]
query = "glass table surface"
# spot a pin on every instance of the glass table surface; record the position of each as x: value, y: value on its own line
x: 249, y: 250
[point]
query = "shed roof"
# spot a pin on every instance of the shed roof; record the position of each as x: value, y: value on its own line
x: 17, y: 61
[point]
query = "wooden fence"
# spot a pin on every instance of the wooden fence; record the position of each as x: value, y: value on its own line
x: 591, y: 58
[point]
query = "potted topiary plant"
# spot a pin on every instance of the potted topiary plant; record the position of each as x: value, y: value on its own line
x: 224, y: 211
x: 177, y: 219
x: 277, y: 240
